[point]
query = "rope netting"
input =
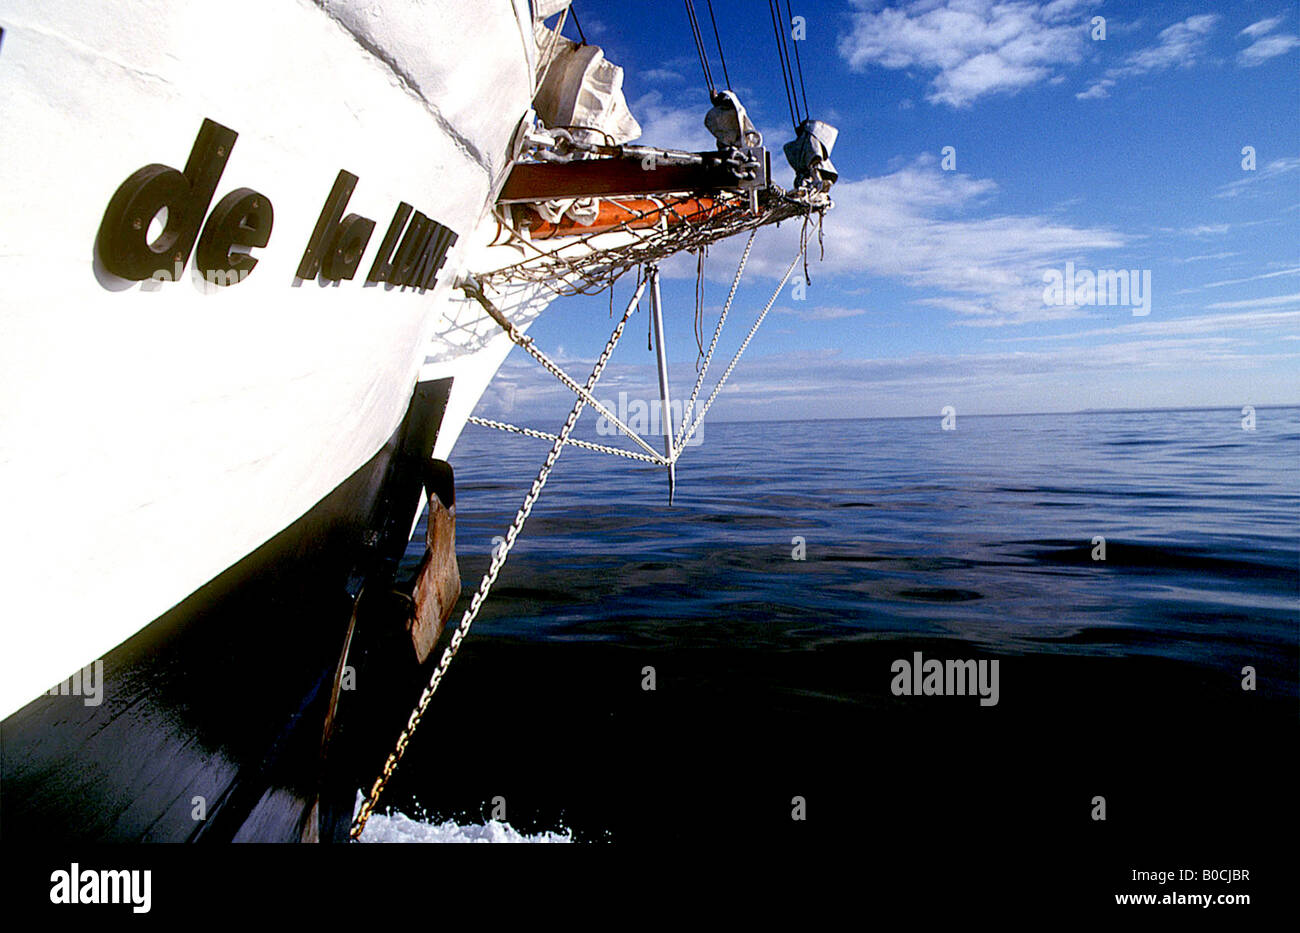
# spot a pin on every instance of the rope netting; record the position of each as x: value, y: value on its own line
x: 589, y: 264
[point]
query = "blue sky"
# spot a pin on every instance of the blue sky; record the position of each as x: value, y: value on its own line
x: 1123, y: 154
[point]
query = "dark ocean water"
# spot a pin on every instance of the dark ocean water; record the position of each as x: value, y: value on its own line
x: 1120, y: 677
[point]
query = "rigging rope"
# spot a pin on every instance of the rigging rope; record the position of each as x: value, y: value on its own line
x: 722, y: 57
x: 689, y: 408
x: 606, y: 271
x: 526, y: 343
x: 489, y: 578
x: 786, y: 77
x: 688, y: 427
x: 700, y: 256
x: 798, y: 64
x: 543, y: 435
x: 699, y: 47
x: 549, y: 58
x: 736, y: 359
x: 578, y: 24
x: 559, y: 441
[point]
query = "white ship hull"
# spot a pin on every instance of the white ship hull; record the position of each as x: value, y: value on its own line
x: 235, y: 356
x: 153, y: 434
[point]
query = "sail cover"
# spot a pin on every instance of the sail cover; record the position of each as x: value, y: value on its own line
x: 545, y: 9
x: 582, y: 91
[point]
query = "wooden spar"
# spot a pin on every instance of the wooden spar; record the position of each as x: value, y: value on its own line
x: 610, y: 178
x: 627, y: 214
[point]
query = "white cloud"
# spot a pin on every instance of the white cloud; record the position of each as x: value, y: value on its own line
x: 1264, y: 49
x: 1178, y: 45
x: 1096, y: 90
x: 912, y: 225
x: 669, y: 126
x: 659, y: 75
x: 1270, y: 302
x: 1255, y: 30
x: 1273, y: 169
x: 1187, y: 325
x: 977, y: 47
x: 1265, y: 46
x: 1204, y: 257
x: 1253, y: 278
x: 1146, y: 365
x: 815, y: 313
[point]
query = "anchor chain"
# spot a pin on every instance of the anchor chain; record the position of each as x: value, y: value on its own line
x: 489, y: 578
x: 584, y: 398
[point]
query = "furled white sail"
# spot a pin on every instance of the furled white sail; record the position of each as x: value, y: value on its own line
x: 583, y: 91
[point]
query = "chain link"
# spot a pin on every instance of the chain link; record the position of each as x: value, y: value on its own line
x: 559, y: 441
x: 498, y: 560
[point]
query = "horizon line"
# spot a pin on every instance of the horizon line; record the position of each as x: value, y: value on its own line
x: 1024, y: 414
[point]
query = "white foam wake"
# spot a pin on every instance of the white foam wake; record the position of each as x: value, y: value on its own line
x: 398, y: 827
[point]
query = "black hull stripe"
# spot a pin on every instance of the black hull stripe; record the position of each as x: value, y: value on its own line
x: 224, y: 696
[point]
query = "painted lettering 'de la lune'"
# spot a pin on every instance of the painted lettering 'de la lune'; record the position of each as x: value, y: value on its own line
x: 412, y: 252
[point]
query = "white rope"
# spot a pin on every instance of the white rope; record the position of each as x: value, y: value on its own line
x: 559, y: 441
x: 499, y: 556
x: 736, y: 359
x: 542, y: 435
x: 684, y: 434
x: 520, y: 339
x: 550, y: 50
x: 713, y: 344
x: 585, y: 395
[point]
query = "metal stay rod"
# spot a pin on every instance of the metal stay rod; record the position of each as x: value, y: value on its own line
x: 666, y: 413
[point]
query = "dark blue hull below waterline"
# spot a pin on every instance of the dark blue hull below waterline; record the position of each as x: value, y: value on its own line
x: 213, y: 719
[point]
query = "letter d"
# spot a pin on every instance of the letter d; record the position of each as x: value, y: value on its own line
x: 123, y: 243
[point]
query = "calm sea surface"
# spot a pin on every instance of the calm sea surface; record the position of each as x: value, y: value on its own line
x: 773, y: 674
